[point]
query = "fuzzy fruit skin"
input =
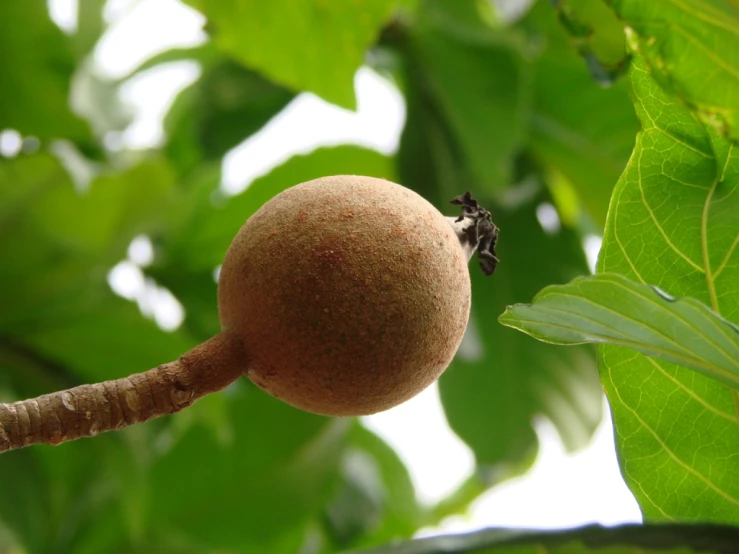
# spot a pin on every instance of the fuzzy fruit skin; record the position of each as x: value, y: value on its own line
x: 351, y: 295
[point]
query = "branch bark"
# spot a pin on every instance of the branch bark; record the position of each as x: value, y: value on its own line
x: 88, y: 410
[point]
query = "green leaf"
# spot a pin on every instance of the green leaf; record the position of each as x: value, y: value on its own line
x: 627, y: 539
x: 102, y: 220
x: 692, y: 48
x: 24, y: 504
x: 482, y: 88
x: 57, y: 247
x: 376, y: 502
x: 60, y: 496
x: 582, y: 130
x: 37, y: 69
x: 673, y: 223
x: 269, y: 474
x: 57, y: 244
x: 611, y: 309
x: 594, y: 31
x: 105, y: 337
x: 224, y: 107
x: 37, y: 271
x: 314, y: 45
x: 90, y: 26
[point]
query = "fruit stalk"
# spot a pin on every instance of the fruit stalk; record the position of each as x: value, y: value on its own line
x: 88, y: 410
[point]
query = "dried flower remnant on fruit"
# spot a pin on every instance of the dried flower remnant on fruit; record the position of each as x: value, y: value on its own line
x: 483, y: 232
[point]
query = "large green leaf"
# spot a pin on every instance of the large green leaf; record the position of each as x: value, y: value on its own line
x: 90, y: 26
x: 627, y: 539
x: 611, y: 309
x: 105, y: 337
x: 673, y: 223
x: 102, y: 220
x: 311, y: 45
x: 692, y: 46
x: 37, y: 66
x: 40, y: 203
x: 24, y: 503
x: 594, y: 31
x: 37, y: 270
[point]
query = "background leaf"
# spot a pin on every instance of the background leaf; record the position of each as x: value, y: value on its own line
x: 224, y: 107
x: 317, y: 46
x: 239, y: 496
x: 376, y: 501
x: 673, y: 223
x: 38, y: 63
x: 481, y: 86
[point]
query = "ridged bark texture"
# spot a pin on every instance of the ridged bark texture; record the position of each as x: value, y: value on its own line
x: 87, y: 410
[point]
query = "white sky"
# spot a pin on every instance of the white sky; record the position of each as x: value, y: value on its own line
x: 562, y: 490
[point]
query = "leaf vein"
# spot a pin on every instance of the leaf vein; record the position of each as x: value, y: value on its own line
x: 672, y: 455
x: 656, y: 223
x: 700, y: 12
x: 689, y: 392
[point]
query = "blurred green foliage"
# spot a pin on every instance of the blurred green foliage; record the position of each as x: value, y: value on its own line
x: 528, y: 114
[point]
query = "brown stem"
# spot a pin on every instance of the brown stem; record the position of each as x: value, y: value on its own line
x: 87, y: 410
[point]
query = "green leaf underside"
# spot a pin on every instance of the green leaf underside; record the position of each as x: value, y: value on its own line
x: 673, y: 223
x: 692, y: 47
x: 314, y: 45
x: 610, y: 308
x: 626, y: 539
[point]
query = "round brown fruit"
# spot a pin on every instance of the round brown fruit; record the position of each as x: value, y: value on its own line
x: 350, y: 294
